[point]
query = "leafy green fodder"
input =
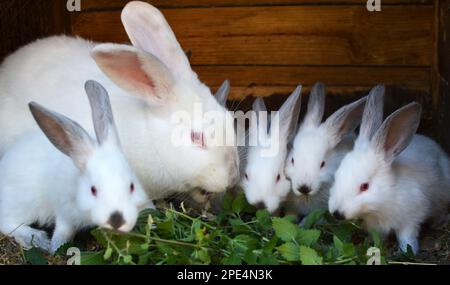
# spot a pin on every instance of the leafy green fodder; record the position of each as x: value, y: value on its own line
x: 238, y: 235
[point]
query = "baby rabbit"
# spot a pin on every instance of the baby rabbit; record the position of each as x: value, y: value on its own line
x: 319, y: 148
x: 264, y: 180
x: 87, y: 182
x: 393, y: 179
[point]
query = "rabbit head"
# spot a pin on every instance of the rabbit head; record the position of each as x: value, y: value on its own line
x: 108, y: 190
x: 157, y: 72
x: 264, y: 180
x: 364, y: 181
x: 308, y: 165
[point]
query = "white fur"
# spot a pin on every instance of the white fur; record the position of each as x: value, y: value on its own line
x: 52, y: 72
x: 39, y: 184
x: 317, y: 143
x: 260, y: 181
x: 404, y: 190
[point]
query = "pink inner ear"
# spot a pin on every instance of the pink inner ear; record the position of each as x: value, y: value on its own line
x: 125, y: 67
x: 198, y: 139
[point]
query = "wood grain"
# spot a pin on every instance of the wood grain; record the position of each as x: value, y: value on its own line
x: 269, y: 81
x: 117, y: 4
x: 299, y: 35
x: 248, y: 76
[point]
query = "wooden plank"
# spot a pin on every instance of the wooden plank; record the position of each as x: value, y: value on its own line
x: 303, y: 35
x: 444, y: 73
x: 118, y: 4
x: 251, y: 76
x: 269, y: 81
x: 239, y: 93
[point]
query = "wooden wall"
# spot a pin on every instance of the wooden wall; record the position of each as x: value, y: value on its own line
x: 22, y: 21
x: 267, y: 47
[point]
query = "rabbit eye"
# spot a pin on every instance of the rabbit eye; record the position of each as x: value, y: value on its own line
x: 132, y: 188
x: 278, y: 178
x: 292, y: 160
x: 322, y: 165
x: 364, y: 187
x: 198, y: 139
x: 94, y: 191
x: 246, y: 176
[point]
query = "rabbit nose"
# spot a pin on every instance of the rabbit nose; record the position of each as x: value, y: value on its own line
x: 338, y: 215
x: 116, y: 220
x: 304, y: 189
x: 260, y: 206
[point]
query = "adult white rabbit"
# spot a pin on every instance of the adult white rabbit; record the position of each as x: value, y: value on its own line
x: 318, y: 149
x: 264, y: 180
x: 147, y: 91
x: 393, y: 179
x: 87, y: 182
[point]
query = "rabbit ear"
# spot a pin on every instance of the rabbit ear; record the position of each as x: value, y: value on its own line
x: 223, y: 93
x: 148, y: 30
x: 344, y: 121
x: 289, y: 115
x: 316, y: 106
x: 259, y: 105
x: 102, y: 114
x: 261, y: 123
x: 373, y: 113
x: 398, y: 130
x: 137, y: 72
x: 65, y: 134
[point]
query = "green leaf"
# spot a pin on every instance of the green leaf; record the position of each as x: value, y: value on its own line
x: 242, y: 243
x: 233, y: 259
x: 92, y: 258
x: 309, y: 256
x: 290, y: 251
x: 239, y: 204
x: 268, y: 259
x: 127, y: 259
x: 349, y: 250
x: 284, y: 229
x: 227, y: 201
x: 268, y: 247
x: 250, y: 258
x: 338, y: 244
x: 35, y: 256
x: 376, y: 237
x: 310, y: 220
x: 263, y: 218
x: 308, y: 237
x: 108, y: 253
x: 99, y: 237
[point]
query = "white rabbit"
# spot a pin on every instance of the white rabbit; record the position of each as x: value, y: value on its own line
x: 148, y: 86
x: 393, y: 180
x: 87, y: 182
x: 264, y: 180
x: 318, y: 149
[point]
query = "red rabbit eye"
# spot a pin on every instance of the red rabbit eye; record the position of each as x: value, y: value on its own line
x: 94, y: 191
x: 322, y: 165
x: 278, y: 178
x: 132, y: 188
x: 364, y: 187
